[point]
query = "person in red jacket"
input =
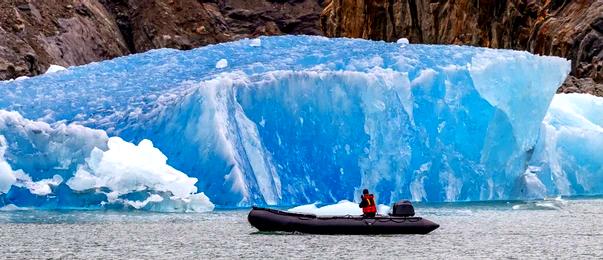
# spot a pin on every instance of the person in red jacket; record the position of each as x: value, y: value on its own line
x: 367, y: 203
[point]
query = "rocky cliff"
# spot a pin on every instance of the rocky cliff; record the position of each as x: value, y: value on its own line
x: 566, y: 28
x: 34, y: 34
x: 185, y: 24
x: 37, y: 33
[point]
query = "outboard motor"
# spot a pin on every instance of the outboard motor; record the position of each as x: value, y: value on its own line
x: 403, y: 209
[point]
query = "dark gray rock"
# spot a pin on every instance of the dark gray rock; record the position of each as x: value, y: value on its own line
x: 583, y: 85
x: 35, y: 34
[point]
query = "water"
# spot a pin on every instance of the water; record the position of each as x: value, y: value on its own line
x: 545, y: 229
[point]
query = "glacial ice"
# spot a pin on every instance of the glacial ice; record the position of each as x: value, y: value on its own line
x: 257, y: 42
x: 11, y: 207
x: 568, y: 158
x: 403, y: 41
x: 546, y: 203
x: 7, y: 175
x: 299, y: 119
x: 55, y: 68
x: 222, y: 63
x: 71, y: 166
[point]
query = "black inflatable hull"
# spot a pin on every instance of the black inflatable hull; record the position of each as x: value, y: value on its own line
x: 275, y: 220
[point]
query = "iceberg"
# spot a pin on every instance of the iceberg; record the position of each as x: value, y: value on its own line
x: 55, y: 68
x: 223, y: 63
x: 291, y: 120
x: 568, y: 157
x: 7, y: 175
x: 403, y: 41
x: 71, y: 166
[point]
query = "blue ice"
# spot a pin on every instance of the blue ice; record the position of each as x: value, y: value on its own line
x: 293, y: 120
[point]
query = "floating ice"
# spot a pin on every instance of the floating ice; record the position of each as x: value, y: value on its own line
x: 402, y: 41
x: 11, y: 207
x: 41, y: 188
x: 343, y: 207
x: 223, y: 63
x: 306, y: 119
x: 98, y: 170
x: 55, y: 68
x: 126, y: 168
x: 257, y: 42
x: 556, y: 203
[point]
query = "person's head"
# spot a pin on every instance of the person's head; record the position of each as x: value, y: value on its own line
x: 365, y: 191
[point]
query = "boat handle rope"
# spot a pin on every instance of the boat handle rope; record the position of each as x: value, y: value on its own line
x: 394, y: 220
x: 403, y: 220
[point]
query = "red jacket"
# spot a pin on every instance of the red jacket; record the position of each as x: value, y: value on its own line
x: 368, y: 204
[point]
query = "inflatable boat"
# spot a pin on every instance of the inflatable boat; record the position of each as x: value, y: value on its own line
x: 268, y: 220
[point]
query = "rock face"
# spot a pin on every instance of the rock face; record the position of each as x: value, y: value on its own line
x: 583, y: 85
x: 567, y: 28
x: 185, y: 24
x: 37, y: 33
